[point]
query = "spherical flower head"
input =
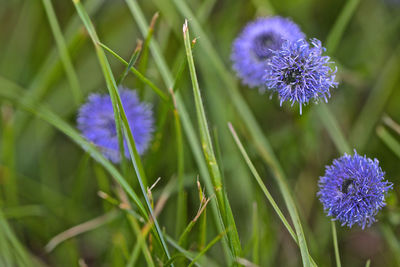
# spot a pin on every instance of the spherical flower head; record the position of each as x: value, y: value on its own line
x: 97, y: 124
x: 254, y: 46
x: 299, y: 72
x: 353, y: 190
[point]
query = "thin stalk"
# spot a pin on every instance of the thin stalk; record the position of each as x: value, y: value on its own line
x: 261, y: 183
x: 335, y: 244
x: 181, y: 207
x: 203, y: 230
x: 256, y: 235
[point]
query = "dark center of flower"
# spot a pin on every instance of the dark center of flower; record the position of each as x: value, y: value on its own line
x: 292, y: 75
x: 346, y: 185
x: 264, y: 42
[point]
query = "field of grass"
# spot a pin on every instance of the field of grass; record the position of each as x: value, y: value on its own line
x: 230, y: 177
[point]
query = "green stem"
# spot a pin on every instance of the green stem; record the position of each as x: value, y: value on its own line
x: 335, y: 244
x: 213, y: 167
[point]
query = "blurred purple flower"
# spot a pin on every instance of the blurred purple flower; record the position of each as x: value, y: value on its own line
x: 254, y: 46
x: 299, y: 73
x: 353, y: 190
x: 96, y: 122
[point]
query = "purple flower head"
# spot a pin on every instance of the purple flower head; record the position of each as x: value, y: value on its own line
x: 353, y: 190
x: 96, y: 122
x: 299, y: 73
x: 254, y: 46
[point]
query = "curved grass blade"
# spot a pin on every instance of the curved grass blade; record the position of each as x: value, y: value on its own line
x: 119, y: 111
x: 261, y: 183
x: 186, y: 123
x: 264, y: 188
x: 13, y: 93
x: 214, y: 169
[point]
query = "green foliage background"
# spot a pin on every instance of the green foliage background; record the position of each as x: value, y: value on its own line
x: 49, y: 184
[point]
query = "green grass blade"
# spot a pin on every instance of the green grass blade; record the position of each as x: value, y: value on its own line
x: 336, y: 33
x: 13, y: 92
x: 389, y: 140
x: 140, y: 244
x: 186, y: 253
x: 368, y: 263
x: 134, y: 57
x: 391, y: 124
x: 334, y: 37
x: 119, y: 111
x: 375, y: 104
x: 209, y: 245
x: 143, y: 63
x: 248, y: 119
x: 335, y: 244
x: 22, y: 258
x: 392, y: 241
x: 214, y: 169
x: 186, y: 123
x: 256, y: 236
x: 181, y: 206
x: 137, y: 73
x: 64, y: 54
x: 333, y: 129
x: 261, y: 183
x: 24, y: 211
x: 52, y: 66
x: 8, y: 155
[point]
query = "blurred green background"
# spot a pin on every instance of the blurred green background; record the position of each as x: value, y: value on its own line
x: 49, y: 184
